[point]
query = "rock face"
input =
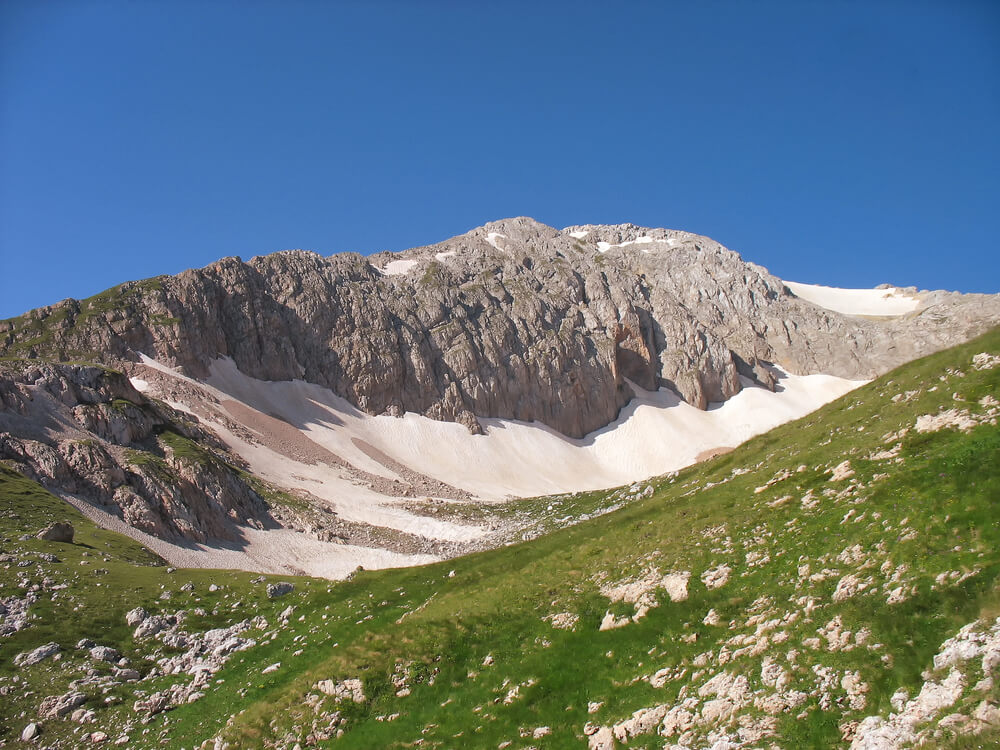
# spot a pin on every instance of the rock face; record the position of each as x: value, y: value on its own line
x: 514, y: 319
x: 85, y: 431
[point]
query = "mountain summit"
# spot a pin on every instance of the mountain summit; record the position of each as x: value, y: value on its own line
x: 371, y: 409
x: 513, y: 320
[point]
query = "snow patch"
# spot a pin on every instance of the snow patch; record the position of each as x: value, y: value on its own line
x: 442, y: 256
x: 492, y: 239
x: 398, y: 267
x: 657, y: 432
x: 644, y: 240
x: 882, y: 302
x: 277, y: 551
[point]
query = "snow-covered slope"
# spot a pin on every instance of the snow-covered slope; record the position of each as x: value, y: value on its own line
x: 309, y: 441
x: 655, y: 433
x: 889, y: 301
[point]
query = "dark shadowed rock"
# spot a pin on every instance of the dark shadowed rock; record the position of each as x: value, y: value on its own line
x: 274, y: 590
x: 57, y: 532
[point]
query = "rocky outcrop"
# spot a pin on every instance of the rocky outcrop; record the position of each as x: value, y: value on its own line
x: 85, y: 431
x: 515, y: 320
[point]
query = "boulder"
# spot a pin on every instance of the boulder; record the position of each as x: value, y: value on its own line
x: 57, y: 532
x: 30, y: 732
x: 57, y: 706
x: 104, y: 653
x: 135, y: 616
x: 39, y: 654
x: 274, y: 590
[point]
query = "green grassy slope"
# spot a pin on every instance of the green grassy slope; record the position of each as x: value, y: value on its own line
x: 460, y: 654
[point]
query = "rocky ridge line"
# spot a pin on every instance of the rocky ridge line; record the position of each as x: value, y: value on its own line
x: 515, y: 320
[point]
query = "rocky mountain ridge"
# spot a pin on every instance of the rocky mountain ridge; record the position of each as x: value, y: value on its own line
x: 515, y: 320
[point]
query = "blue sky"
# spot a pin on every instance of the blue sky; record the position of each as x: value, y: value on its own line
x: 846, y: 143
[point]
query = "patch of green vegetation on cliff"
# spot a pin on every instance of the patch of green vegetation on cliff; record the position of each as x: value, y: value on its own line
x: 185, y: 449
x: 435, y: 276
x: 152, y: 463
x: 273, y: 495
x: 163, y: 320
x: 122, y: 405
x: 40, y: 331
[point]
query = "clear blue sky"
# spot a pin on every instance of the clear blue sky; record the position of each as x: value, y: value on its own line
x: 845, y: 143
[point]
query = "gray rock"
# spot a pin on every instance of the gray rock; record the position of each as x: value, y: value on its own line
x: 14, y: 613
x: 135, y: 616
x: 274, y: 590
x: 37, y: 655
x: 152, y: 625
x: 85, y: 643
x: 175, y: 640
x: 57, y: 532
x: 30, y: 732
x: 154, y: 704
x: 57, y: 706
x: 83, y: 716
x: 104, y: 653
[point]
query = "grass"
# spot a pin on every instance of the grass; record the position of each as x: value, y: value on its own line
x: 47, y: 331
x: 462, y: 634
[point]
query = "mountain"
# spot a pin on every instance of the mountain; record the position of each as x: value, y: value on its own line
x: 301, y: 414
x: 514, y: 320
x: 834, y: 583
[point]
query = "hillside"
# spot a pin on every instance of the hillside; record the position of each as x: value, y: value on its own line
x: 831, y: 583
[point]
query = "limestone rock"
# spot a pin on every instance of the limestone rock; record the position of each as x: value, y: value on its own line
x: 544, y: 325
x: 351, y: 689
x: 104, y: 653
x: 57, y: 532
x: 57, y: 706
x: 135, y: 616
x: 275, y: 590
x: 37, y: 655
x: 30, y: 732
